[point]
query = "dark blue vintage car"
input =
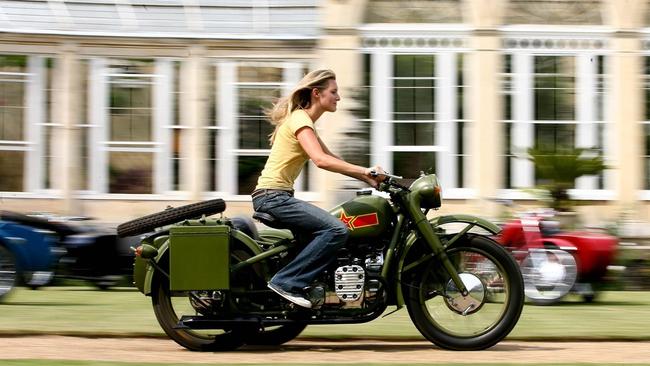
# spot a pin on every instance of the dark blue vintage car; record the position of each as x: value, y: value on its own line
x: 27, y: 254
x: 34, y: 250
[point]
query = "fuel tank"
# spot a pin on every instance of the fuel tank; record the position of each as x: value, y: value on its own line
x: 366, y: 216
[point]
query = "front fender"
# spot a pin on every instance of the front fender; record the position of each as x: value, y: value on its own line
x: 143, y: 271
x: 557, y: 242
x: 471, y: 221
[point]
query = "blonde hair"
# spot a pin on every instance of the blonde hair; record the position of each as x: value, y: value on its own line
x: 300, y: 97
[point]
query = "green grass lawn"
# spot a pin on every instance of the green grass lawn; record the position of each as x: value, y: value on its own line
x: 126, y: 312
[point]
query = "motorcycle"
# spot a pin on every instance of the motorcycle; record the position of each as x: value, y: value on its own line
x: 207, y: 276
x: 555, y: 262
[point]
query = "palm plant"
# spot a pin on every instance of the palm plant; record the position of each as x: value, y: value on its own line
x: 558, y: 171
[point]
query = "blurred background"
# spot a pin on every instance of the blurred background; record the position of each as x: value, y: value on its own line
x: 116, y: 109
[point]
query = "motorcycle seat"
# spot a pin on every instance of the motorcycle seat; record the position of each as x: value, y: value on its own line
x: 267, y: 219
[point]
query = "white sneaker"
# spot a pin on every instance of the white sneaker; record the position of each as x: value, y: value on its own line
x: 294, y: 298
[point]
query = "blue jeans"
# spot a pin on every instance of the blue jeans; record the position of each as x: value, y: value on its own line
x: 327, y: 234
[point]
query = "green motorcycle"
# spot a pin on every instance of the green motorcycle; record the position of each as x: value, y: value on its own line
x: 207, y: 276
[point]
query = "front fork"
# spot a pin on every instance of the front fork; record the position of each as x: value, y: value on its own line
x: 426, y: 231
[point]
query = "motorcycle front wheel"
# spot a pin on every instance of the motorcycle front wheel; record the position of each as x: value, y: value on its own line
x: 476, y: 321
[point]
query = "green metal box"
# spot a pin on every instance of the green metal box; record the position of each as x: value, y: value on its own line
x: 199, y: 258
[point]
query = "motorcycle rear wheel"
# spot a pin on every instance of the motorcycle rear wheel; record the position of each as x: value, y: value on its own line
x: 491, y: 310
x: 275, y: 336
x: 168, y: 310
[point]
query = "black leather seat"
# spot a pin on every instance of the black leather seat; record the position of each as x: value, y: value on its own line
x: 267, y: 219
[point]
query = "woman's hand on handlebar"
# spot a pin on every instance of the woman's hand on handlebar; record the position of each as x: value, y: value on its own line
x: 374, y: 175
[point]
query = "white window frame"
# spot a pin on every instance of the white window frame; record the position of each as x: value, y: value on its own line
x: 99, y: 84
x: 446, y: 122
x: 586, y: 121
x: 227, y: 124
x: 33, y: 117
x: 645, y: 193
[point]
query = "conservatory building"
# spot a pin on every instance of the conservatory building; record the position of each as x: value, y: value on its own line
x: 116, y: 109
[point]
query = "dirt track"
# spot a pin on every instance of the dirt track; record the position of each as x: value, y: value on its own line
x: 312, y: 351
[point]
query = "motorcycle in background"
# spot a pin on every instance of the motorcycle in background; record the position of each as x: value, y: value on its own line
x: 555, y: 262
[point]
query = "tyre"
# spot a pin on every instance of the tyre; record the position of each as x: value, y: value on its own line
x: 169, y: 216
x: 8, y: 272
x: 37, y: 279
x: 275, y: 336
x: 549, y: 274
x: 478, y: 320
x: 170, y: 307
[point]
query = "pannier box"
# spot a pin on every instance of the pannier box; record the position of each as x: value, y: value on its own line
x: 199, y: 258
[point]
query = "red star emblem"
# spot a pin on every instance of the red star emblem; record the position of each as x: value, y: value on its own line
x: 347, y: 220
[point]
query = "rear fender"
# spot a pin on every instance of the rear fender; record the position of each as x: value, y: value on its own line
x: 471, y: 221
x: 143, y: 273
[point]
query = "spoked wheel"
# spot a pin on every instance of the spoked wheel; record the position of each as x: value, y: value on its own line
x: 275, y: 336
x: 170, y: 307
x: 476, y: 321
x: 8, y: 272
x: 549, y: 274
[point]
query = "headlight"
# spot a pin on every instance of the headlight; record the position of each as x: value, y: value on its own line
x: 428, y: 191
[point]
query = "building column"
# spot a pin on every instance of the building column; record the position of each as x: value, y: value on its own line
x: 339, y: 51
x: 65, y: 142
x: 484, y: 102
x: 626, y: 112
x: 194, y: 138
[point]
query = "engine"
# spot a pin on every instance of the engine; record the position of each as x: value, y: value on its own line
x: 354, y: 282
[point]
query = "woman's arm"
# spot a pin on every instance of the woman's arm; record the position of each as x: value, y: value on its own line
x: 327, y: 151
x: 312, y: 146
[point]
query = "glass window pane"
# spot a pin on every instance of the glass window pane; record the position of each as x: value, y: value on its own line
x: 554, y: 88
x: 460, y: 87
x: 130, y: 172
x: 410, y: 164
x: 249, y: 169
x: 85, y: 159
x: 555, y: 137
x: 48, y: 156
x: 213, y: 159
x: 404, y: 100
x: 646, y: 157
x: 414, y: 134
x: 11, y: 171
x: 131, y: 90
x: 49, y: 89
x: 12, y: 96
x: 259, y: 74
x: 414, y: 87
x: 176, y: 159
x: 647, y: 88
x: 254, y: 127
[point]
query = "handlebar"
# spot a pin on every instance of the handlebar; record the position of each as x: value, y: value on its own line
x: 375, y: 174
x: 389, y: 182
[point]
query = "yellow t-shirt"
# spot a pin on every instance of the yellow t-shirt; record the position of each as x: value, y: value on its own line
x: 287, y: 156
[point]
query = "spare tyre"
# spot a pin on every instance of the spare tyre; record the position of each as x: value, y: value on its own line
x: 169, y: 216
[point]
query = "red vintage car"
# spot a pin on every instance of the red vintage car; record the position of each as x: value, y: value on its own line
x: 555, y: 262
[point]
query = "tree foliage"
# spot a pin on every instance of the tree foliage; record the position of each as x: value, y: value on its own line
x: 558, y: 170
